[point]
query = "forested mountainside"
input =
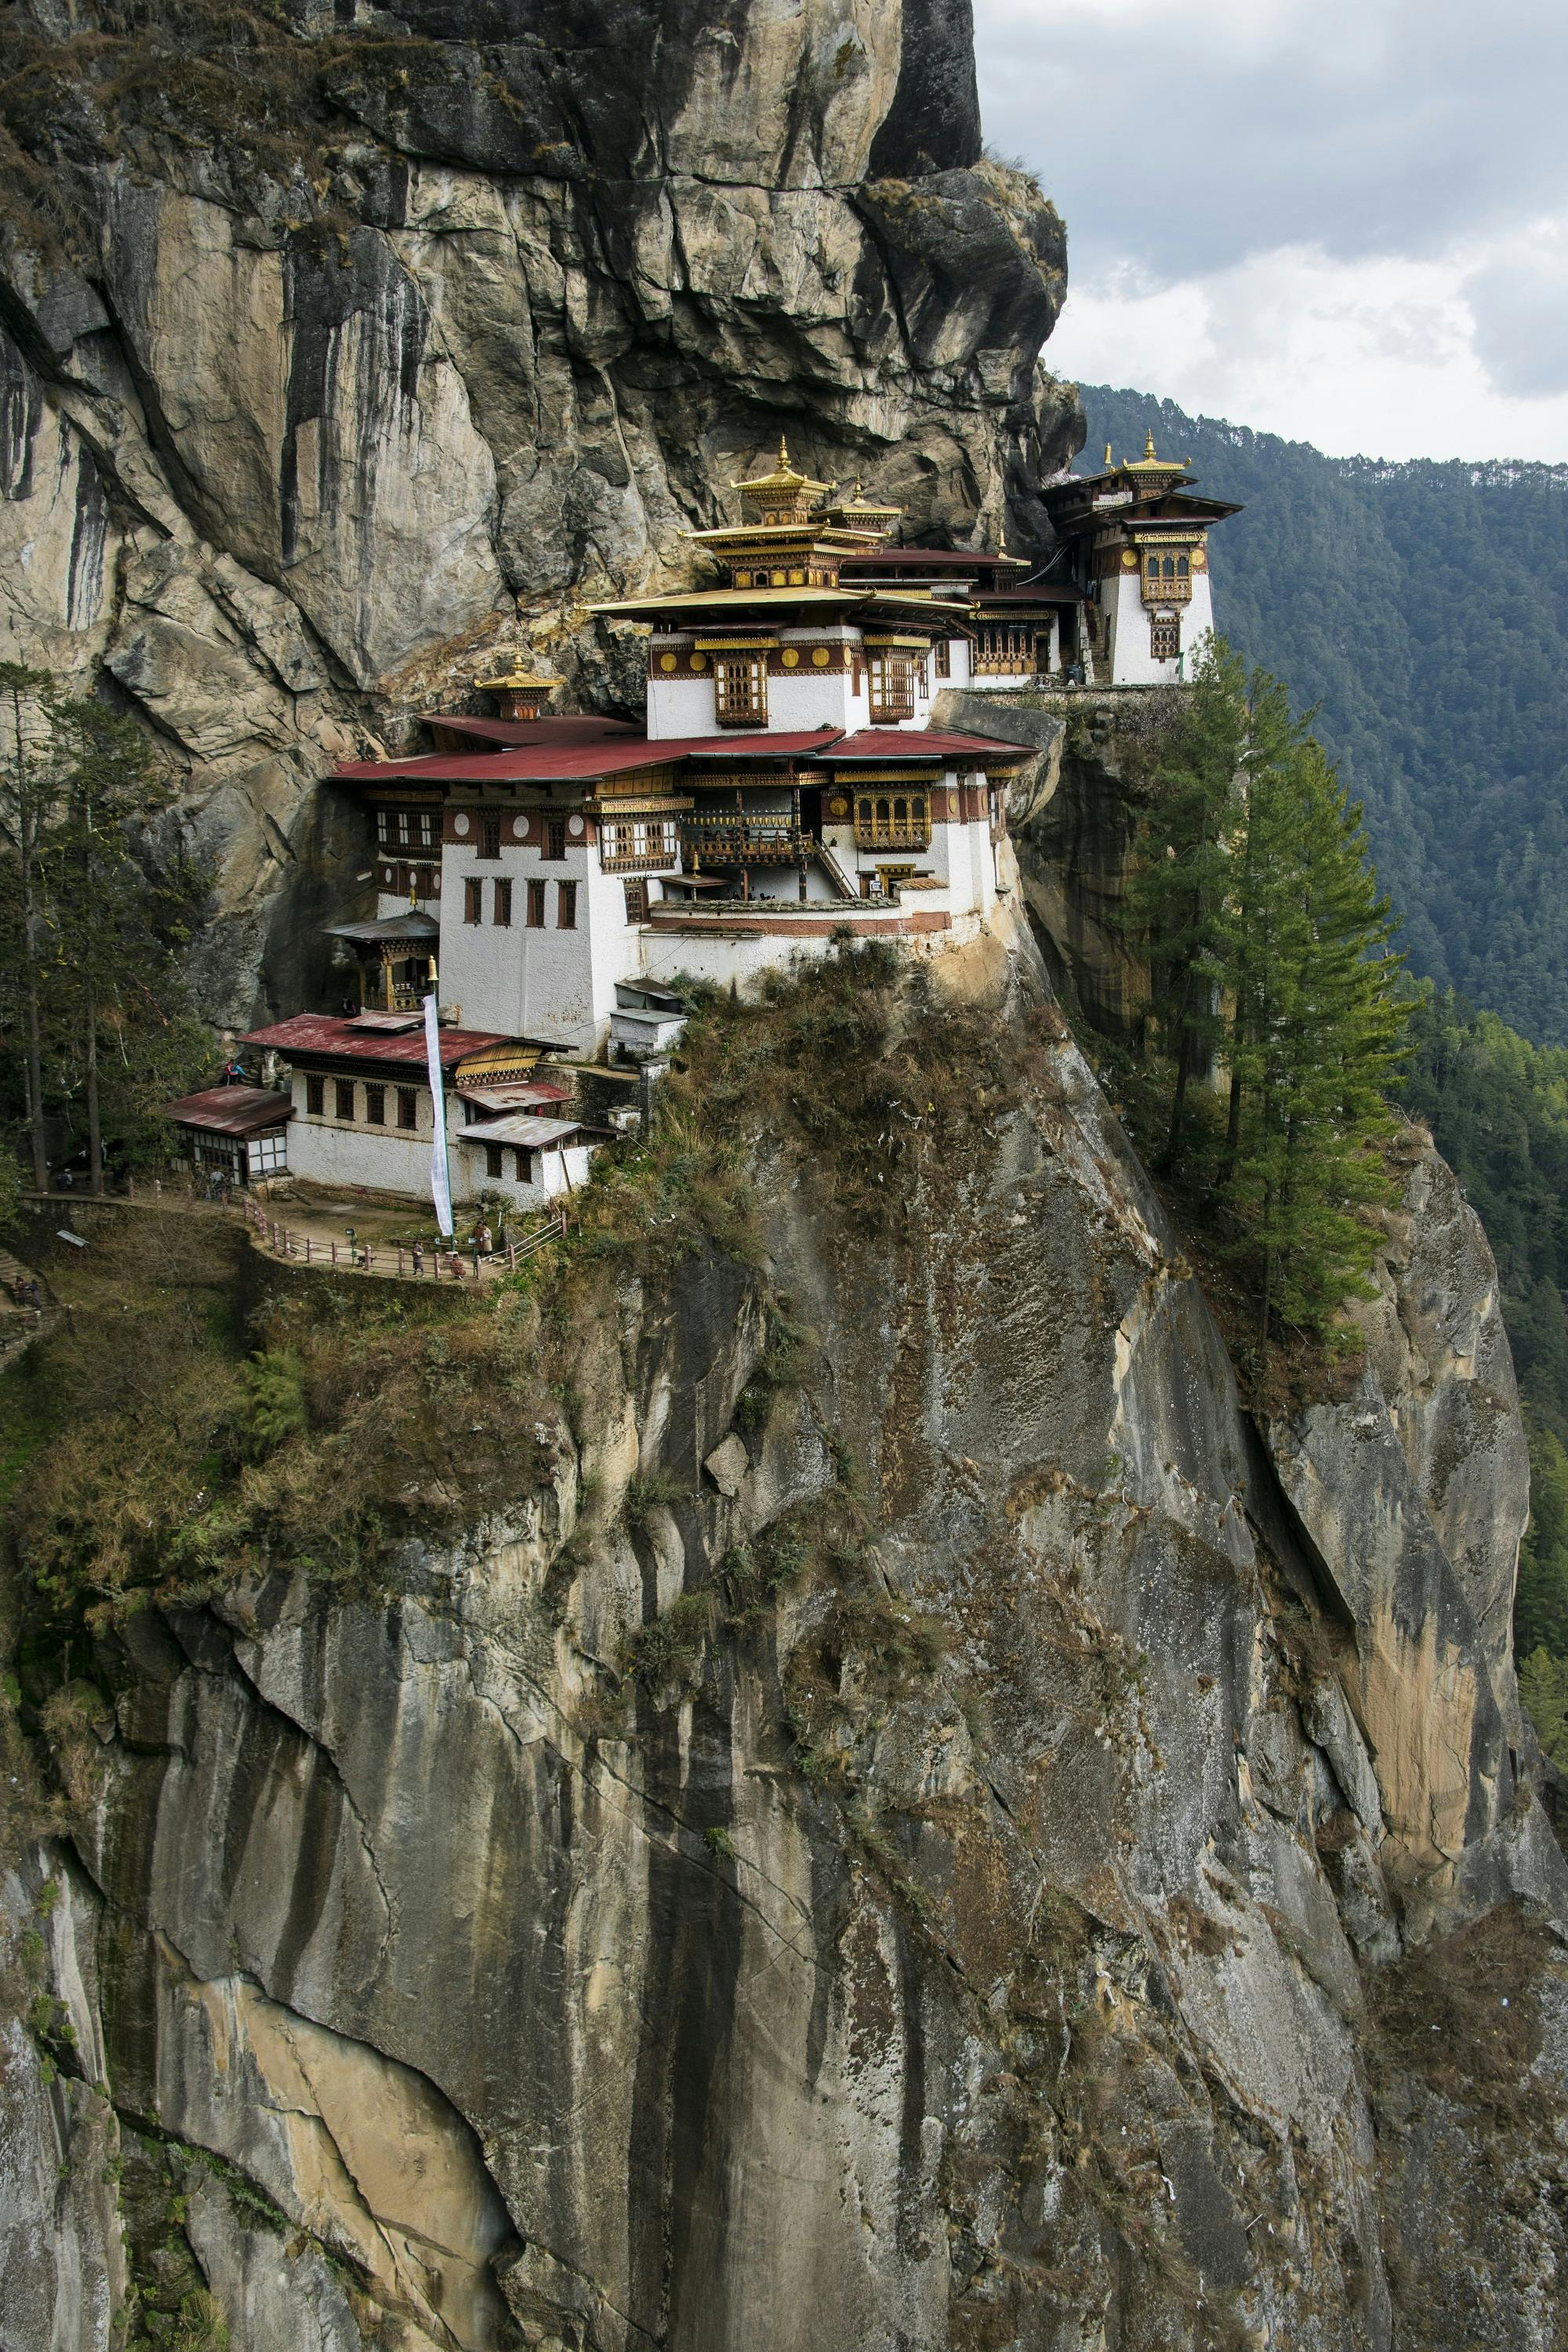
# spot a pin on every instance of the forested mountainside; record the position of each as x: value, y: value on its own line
x: 1424, y: 607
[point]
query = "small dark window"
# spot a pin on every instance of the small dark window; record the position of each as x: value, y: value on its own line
x: 555, y: 839
x: 473, y: 899
x: 565, y: 905
x: 536, y: 905
x: 315, y: 1095
x: 375, y: 1105
x: 943, y: 658
x: 489, y: 836
x: 345, y: 1097
x: 493, y: 1160
x: 427, y: 882
x: 637, y: 902
x: 502, y: 909
x: 524, y: 1164
x: 1184, y: 569
x: 407, y: 1108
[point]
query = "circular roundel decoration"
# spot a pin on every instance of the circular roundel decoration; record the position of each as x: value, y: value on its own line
x: 791, y: 657
x: 1128, y: 559
x: 519, y: 828
x: 839, y: 806
x: 666, y: 661
x: 1200, y: 561
x: 820, y: 657
x: 386, y: 876
x: 698, y: 661
x: 459, y: 824
x: 574, y: 826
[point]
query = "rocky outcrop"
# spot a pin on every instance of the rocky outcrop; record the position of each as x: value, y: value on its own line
x: 913, y: 1853
x: 332, y: 354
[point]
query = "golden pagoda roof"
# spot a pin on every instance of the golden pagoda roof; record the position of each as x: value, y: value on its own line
x: 845, y: 507
x: 784, y: 481
x: 728, y: 599
x: 517, y: 677
x: 1148, y: 463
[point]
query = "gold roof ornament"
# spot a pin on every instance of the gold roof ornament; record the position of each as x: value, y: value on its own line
x: 520, y: 692
x: 785, y: 483
x: 1108, y: 458
x: 518, y: 675
x: 1149, y: 464
x: 863, y: 513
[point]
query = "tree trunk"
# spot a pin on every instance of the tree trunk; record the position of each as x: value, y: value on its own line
x: 1233, y: 1119
x: 94, y: 1125
x: 1179, y: 1097
x: 28, y: 830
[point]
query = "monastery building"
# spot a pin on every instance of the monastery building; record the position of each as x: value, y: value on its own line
x: 553, y: 880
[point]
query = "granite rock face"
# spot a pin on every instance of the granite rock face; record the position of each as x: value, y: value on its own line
x: 983, y: 1945
x: 333, y: 353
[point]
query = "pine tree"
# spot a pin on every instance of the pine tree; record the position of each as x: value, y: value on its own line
x: 1178, y: 894
x: 1317, y: 1034
x: 96, y: 938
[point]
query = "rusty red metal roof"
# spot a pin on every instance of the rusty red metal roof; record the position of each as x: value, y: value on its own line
x: 937, y: 559
x: 328, y: 1036
x: 230, y: 1111
x: 532, y: 762
x: 925, y: 743
x: 567, y: 728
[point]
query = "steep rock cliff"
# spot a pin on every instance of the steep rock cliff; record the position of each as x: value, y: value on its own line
x: 934, y: 1848
x: 332, y: 353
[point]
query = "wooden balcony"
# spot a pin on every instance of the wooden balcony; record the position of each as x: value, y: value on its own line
x: 1167, y: 591
x: 730, y: 838
x: 885, y: 835
x: 660, y: 861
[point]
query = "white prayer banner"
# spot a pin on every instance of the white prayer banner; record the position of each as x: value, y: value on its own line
x: 440, y: 1175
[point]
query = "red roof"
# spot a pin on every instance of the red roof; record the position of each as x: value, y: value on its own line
x: 586, y: 762
x: 230, y: 1111
x: 312, y: 1033
x: 533, y: 762
x: 756, y: 747
x: 923, y: 743
x: 937, y: 559
x: 568, y: 729
x: 1043, y: 592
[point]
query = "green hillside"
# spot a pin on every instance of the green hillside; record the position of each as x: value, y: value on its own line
x: 1424, y: 607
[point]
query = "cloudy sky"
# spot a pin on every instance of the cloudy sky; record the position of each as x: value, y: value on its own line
x: 1341, y: 220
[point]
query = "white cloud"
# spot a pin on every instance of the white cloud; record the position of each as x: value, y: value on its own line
x: 1343, y: 220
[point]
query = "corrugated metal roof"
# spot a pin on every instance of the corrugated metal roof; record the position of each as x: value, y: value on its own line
x: 411, y: 925
x: 925, y: 743
x: 517, y: 1094
x: 567, y: 728
x: 938, y: 559
x: 230, y: 1111
x: 312, y: 1035
x: 536, y: 1134
x: 544, y: 763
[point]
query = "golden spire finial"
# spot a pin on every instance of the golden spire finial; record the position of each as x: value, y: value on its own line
x: 1108, y: 458
x: 783, y: 454
x: 1149, y: 443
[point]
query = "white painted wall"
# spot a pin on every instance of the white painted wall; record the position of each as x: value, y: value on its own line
x: 559, y: 1172
x: 1130, y: 663
x: 330, y: 1151
x: 797, y: 700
